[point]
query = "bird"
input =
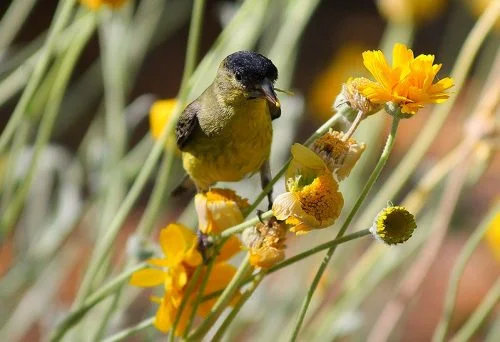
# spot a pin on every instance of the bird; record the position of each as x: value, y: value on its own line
x: 226, y: 133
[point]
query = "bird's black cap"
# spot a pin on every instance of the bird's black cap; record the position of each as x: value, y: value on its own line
x: 250, y: 68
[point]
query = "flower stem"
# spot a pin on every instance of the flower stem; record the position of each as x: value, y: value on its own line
x: 371, y: 181
x: 439, y: 114
x: 354, y: 125
x: 236, y: 309
x: 62, y: 16
x: 226, y: 296
x: 492, y: 298
x: 130, y: 331
x: 185, y: 297
x: 458, y: 269
x: 194, y: 40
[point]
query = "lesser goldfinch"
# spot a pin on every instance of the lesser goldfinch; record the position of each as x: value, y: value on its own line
x: 226, y: 133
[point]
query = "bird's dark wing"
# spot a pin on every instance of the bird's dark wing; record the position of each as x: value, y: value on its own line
x: 275, y: 111
x: 188, y: 120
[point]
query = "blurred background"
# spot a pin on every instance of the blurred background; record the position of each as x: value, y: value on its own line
x: 327, y: 53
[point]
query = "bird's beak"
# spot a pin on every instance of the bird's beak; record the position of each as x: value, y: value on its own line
x: 267, y: 91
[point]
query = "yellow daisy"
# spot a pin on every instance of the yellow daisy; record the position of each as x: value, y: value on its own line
x: 408, y: 83
x: 219, y: 209
x: 313, y: 199
x: 181, y: 257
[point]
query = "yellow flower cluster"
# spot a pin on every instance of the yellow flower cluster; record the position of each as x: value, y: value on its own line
x: 174, y: 271
x: 96, y: 4
x: 408, y: 83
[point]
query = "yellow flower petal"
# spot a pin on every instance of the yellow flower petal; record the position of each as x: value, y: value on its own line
x: 229, y: 249
x: 148, y: 277
x: 285, y: 205
x: 165, y: 316
x: 221, y: 275
x: 174, y: 242
x: 493, y: 236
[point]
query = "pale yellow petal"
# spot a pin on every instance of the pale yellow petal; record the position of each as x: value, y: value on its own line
x: 285, y: 205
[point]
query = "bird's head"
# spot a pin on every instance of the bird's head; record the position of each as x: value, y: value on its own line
x: 248, y: 74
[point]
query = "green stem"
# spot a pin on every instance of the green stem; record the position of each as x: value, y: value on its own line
x: 185, y: 298
x: 194, y: 40
x: 131, y: 331
x: 240, y: 227
x: 301, y: 256
x: 94, y: 299
x: 102, y: 249
x: 199, y: 296
x: 223, y: 300
x: 12, y: 21
x: 66, y: 66
x: 458, y: 269
x: 438, y: 116
x: 62, y: 16
x: 236, y: 309
x: 371, y: 181
x: 487, y: 305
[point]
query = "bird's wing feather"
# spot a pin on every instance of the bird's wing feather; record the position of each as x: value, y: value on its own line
x: 188, y: 121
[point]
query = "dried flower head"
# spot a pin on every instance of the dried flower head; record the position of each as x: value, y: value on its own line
x: 313, y: 199
x: 393, y: 225
x: 350, y: 101
x: 175, y: 270
x: 266, y: 243
x: 219, y: 209
x: 96, y: 4
x: 339, y: 155
x: 407, y: 85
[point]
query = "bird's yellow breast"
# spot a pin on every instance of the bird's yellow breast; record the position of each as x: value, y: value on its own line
x: 238, y: 150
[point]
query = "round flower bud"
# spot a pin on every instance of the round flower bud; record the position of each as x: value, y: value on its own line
x: 393, y: 225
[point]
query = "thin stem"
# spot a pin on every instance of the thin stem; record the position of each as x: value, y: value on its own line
x: 12, y: 21
x: 94, y: 299
x: 240, y: 227
x: 438, y: 116
x: 68, y: 61
x: 300, y: 257
x: 354, y: 125
x: 63, y: 15
x: 223, y: 300
x: 371, y: 181
x: 148, y: 322
x: 458, y: 269
x: 194, y: 40
x: 236, y: 309
x: 185, y: 298
x: 487, y: 305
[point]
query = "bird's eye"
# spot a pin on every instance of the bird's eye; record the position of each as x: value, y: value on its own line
x: 238, y: 76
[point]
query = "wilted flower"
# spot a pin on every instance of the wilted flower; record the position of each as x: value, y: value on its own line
x: 393, y: 225
x: 339, y: 155
x: 219, y: 209
x: 159, y: 115
x: 408, y: 84
x: 411, y: 11
x: 96, y: 4
x: 347, y: 61
x: 179, y: 246
x: 266, y: 243
x: 493, y: 236
x: 313, y: 199
x: 350, y: 101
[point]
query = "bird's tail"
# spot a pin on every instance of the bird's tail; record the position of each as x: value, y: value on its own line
x: 187, y: 186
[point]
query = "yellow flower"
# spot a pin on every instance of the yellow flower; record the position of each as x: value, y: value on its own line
x: 159, y: 115
x: 340, y: 156
x: 313, y: 199
x: 327, y: 85
x: 181, y: 257
x: 411, y: 11
x: 408, y: 83
x: 266, y: 243
x: 393, y: 225
x: 96, y: 4
x: 493, y: 236
x: 219, y: 209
